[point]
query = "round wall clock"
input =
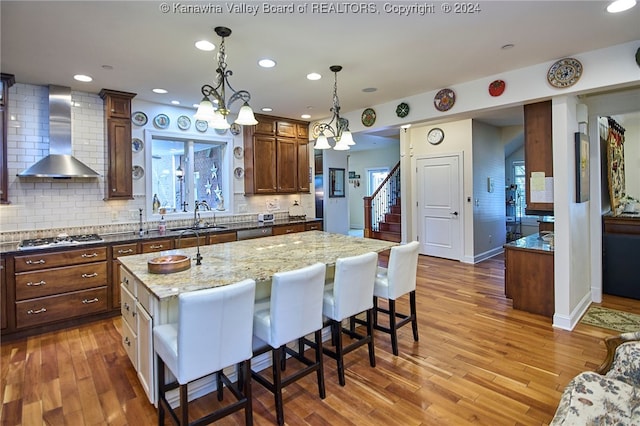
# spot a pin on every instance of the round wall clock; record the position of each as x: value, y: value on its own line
x: 402, y: 110
x: 435, y: 136
x: 564, y: 73
x: 368, y: 117
x: 444, y: 99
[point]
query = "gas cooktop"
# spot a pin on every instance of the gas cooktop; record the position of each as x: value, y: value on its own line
x: 59, y: 241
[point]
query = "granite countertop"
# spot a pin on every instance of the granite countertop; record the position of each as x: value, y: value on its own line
x: 259, y: 259
x: 132, y: 237
x: 534, y: 242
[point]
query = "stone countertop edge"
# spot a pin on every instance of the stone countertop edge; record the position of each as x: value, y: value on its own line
x: 258, y: 259
x: 531, y: 242
x: 149, y: 235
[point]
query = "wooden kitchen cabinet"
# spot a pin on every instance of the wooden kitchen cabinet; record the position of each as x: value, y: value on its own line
x: 529, y: 280
x: 117, y: 113
x: 58, y: 286
x: 288, y: 229
x: 538, y: 151
x: 117, y: 251
x: 276, y: 156
x: 156, y: 245
x: 313, y: 226
x: 6, y: 81
x: 3, y: 294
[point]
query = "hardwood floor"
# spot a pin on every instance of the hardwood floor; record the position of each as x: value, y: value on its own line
x: 478, y: 361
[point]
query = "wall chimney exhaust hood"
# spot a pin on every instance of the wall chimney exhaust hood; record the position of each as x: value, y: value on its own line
x: 60, y: 163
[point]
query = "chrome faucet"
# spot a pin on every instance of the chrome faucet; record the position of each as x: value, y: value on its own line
x: 198, y: 255
x: 196, y: 215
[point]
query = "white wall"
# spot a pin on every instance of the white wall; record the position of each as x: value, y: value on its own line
x: 336, y: 210
x: 359, y: 161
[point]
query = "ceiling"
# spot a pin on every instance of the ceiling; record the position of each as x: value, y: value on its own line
x: 133, y: 46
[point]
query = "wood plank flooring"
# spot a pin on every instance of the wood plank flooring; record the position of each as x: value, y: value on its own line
x: 478, y: 361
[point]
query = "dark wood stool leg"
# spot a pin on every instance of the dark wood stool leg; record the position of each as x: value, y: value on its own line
x: 277, y: 384
x: 372, y: 353
x: 393, y: 327
x: 184, y: 405
x: 375, y: 311
x: 319, y: 360
x: 414, y: 316
x: 219, y: 385
x: 335, y: 327
x: 161, y: 381
x: 246, y: 390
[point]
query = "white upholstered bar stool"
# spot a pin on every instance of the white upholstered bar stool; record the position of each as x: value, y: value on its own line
x: 347, y: 295
x: 214, y: 331
x: 293, y: 311
x: 393, y: 282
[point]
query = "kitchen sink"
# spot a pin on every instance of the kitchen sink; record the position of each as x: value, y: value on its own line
x: 199, y: 228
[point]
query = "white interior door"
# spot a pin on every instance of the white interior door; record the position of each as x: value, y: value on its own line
x: 440, y: 223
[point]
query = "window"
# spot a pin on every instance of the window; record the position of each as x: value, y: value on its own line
x: 375, y: 178
x: 519, y: 179
x: 181, y: 171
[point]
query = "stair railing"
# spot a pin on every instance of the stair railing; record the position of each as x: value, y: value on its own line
x: 380, y: 202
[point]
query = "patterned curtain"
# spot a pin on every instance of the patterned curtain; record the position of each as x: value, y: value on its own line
x: 615, y: 159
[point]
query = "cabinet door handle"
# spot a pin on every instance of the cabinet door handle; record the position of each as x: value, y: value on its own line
x: 35, y: 262
x: 127, y: 251
x: 37, y: 311
x: 156, y: 246
x: 32, y: 284
x: 85, y: 255
x: 125, y: 281
x: 95, y: 274
x: 87, y: 301
x: 125, y: 305
x: 127, y: 341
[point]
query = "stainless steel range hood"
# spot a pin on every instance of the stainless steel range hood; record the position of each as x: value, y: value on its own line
x: 60, y: 163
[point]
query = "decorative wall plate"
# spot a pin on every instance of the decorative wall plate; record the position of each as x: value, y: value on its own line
x: 402, y: 110
x: 220, y: 131
x: 444, y: 99
x: 368, y: 117
x: 238, y: 172
x: 184, y: 122
x: 161, y: 121
x: 564, y: 73
x: 235, y: 129
x: 202, y: 125
x: 237, y: 152
x: 137, y: 172
x: 139, y: 118
x: 136, y: 145
x: 496, y: 88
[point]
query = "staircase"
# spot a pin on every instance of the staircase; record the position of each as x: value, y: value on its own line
x: 382, y: 212
x: 389, y: 227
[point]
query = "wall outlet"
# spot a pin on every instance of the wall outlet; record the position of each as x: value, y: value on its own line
x: 134, y: 214
x: 490, y: 238
x: 242, y: 208
x: 114, y: 216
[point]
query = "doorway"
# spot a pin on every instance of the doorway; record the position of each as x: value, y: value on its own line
x: 440, y: 221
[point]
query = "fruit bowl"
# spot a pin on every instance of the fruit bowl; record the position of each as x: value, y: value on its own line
x: 169, y: 264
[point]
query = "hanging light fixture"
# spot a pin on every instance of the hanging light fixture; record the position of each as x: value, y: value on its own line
x: 341, y: 134
x: 217, y: 117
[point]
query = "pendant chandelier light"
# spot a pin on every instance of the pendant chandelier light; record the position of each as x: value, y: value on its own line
x: 341, y: 134
x: 217, y: 117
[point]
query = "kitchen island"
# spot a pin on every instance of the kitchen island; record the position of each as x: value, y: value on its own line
x: 151, y: 299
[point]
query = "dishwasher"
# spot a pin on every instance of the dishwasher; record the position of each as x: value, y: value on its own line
x: 247, y: 234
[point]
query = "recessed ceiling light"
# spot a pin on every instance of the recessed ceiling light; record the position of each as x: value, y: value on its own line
x: 620, y: 6
x: 305, y: 116
x: 267, y: 63
x: 159, y: 91
x: 507, y: 46
x: 267, y: 109
x: 175, y: 102
x: 314, y: 76
x: 83, y: 78
x: 369, y: 89
x: 205, y: 45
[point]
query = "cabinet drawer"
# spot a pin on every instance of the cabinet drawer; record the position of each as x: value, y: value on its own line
x: 225, y: 237
x: 130, y: 343
x: 157, y: 245
x: 55, y: 308
x: 286, y: 129
x: 60, y: 280
x: 128, y: 307
x: 124, y: 250
x: 313, y: 226
x: 289, y: 229
x: 145, y: 298
x: 127, y: 281
x: 34, y: 262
